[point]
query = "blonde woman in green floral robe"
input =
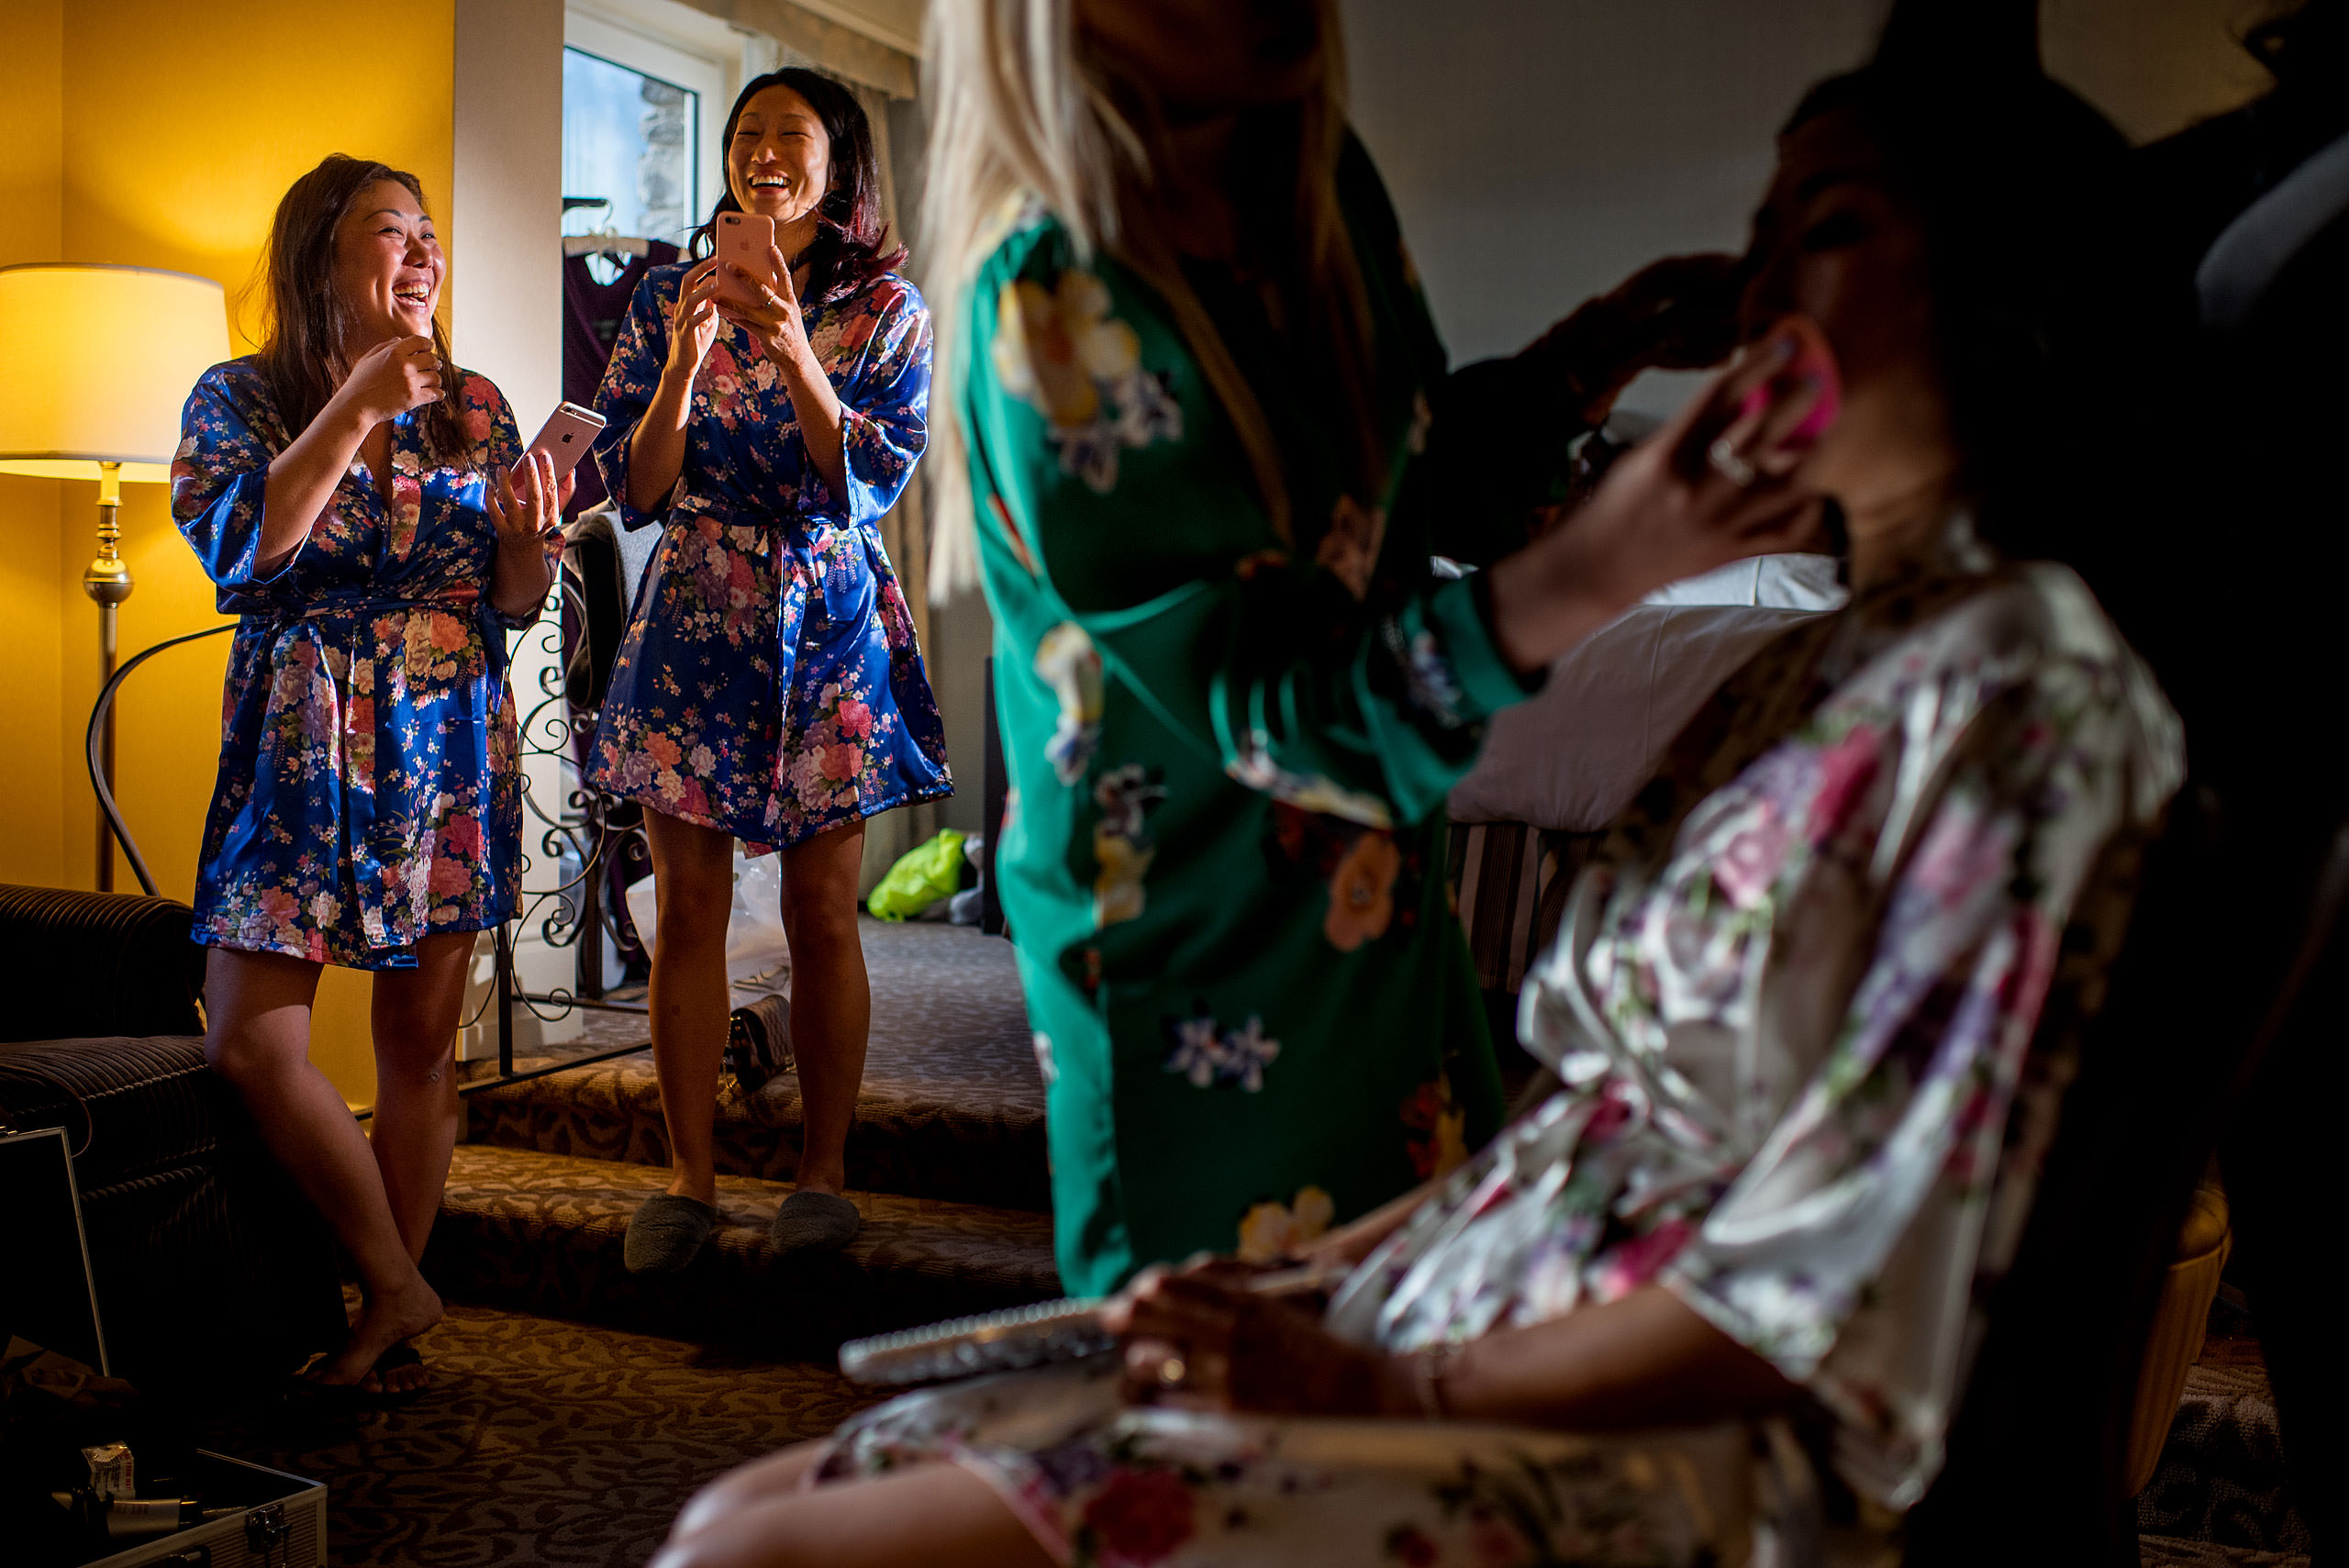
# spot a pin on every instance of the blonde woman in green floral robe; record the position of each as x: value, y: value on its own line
x: 1233, y: 691
x: 1222, y: 858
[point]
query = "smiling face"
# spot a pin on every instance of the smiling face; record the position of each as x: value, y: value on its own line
x: 1208, y: 57
x: 1840, y: 241
x: 388, y: 268
x: 779, y: 162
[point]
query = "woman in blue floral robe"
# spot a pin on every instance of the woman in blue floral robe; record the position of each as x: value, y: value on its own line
x: 349, y: 490
x: 769, y: 689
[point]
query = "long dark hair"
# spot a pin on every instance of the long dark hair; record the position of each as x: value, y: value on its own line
x: 851, y: 245
x: 301, y: 355
x: 2043, y: 335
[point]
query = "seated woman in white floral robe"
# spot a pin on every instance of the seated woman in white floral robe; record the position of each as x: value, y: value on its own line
x: 1812, y: 1013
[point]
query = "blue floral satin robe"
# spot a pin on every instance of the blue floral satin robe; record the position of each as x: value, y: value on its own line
x: 769, y: 683
x: 369, y: 791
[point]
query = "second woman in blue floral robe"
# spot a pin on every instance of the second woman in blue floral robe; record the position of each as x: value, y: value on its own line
x: 770, y: 685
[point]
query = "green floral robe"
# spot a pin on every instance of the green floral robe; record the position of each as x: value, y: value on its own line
x: 1223, y: 858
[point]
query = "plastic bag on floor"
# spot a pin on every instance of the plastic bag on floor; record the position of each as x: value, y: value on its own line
x: 757, y: 955
x: 923, y: 875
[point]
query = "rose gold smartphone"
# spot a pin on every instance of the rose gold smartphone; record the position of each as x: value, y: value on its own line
x: 743, y: 238
x: 565, y: 436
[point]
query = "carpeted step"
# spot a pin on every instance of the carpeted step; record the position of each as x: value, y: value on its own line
x: 2222, y: 1481
x: 953, y: 1106
x: 543, y: 1233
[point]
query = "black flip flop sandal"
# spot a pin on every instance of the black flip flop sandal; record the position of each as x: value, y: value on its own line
x: 346, y: 1397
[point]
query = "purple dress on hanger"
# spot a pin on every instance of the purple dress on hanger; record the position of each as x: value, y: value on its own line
x: 592, y: 315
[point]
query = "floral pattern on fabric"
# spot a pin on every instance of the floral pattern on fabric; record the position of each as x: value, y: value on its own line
x: 1797, y: 1009
x: 1102, y: 1485
x: 1229, y: 802
x: 1122, y: 846
x: 769, y: 683
x: 1796, y: 1006
x: 1062, y: 350
x: 368, y: 792
x: 1203, y: 1051
x: 1271, y: 1231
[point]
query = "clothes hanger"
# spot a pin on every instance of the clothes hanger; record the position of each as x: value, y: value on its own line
x: 604, y: 241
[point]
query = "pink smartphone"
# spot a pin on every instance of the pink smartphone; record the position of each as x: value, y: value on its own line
x: 743, y: 238
x: 565, y: 436
x: 1812, y: 357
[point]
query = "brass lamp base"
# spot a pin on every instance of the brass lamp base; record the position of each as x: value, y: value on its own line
x: 107, y: 581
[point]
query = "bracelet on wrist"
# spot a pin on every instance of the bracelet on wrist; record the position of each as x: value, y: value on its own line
x: 1428, y: 1370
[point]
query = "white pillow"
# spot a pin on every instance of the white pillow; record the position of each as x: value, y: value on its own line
x: 1573, y: 755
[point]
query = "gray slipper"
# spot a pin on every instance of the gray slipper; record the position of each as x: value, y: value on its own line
x: 667, y: 1233
x: 810, y: 1222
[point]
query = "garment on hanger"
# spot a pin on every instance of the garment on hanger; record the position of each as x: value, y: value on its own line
x: 592, y: 314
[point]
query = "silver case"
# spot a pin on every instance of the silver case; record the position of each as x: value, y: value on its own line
x: 303, y: 1508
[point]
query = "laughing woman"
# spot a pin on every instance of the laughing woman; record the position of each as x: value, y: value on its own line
x: 769, y: 689
x: 347, y: 489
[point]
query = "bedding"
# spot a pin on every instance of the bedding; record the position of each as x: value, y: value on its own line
x: 1572, y: 756
x: 1559, y: 766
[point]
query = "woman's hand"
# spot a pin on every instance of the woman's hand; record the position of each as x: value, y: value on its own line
x: 1677, y: 314
x: 656, y: 452
x: 385, y: 382
x: 526, y: 517
x: 693, y: 322
x: 774, y: 319
x: 1200, y: 1341
x: 388, y: 380
x: 1717, y: 484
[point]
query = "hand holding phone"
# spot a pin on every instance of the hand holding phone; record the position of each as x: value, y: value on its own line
x: 565, y: 438
x: 743, y: 240
x: 1809, y: 364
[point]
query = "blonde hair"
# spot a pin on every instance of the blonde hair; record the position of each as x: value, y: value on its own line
x: 1016, y: 114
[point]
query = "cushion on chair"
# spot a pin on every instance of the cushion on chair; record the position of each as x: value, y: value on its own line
x: 210, y: 1266
x: 96, y: 963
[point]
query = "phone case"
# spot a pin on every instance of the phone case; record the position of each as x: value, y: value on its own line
x: 569, y: 431
x: 743, y: 238
x: 1812, y: 357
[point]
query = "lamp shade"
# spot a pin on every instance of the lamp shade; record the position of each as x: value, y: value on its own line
x: 96, y: 364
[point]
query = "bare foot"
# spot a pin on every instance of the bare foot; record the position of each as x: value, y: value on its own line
x: 384, y: 1321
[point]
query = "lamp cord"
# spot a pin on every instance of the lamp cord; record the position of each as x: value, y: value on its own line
x: 94, y: 741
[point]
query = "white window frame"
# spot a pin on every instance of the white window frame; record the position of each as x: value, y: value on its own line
x: 671, y: 59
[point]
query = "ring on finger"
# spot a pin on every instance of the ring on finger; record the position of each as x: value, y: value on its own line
x: 1723, y: 459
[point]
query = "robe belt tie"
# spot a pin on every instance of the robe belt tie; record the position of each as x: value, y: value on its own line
x: 493, y: 634
x: 358, y: 804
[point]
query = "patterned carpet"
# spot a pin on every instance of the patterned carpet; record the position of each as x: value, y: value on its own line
x: 541, y: 1443
x: 2221, y: 1485
x: 550, y: 1441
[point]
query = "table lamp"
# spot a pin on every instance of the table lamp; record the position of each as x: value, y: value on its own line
x: 95, y: 365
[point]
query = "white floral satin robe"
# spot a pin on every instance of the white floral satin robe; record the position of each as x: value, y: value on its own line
x: 1797, y: 1012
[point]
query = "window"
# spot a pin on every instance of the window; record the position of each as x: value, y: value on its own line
x: 639, y: 131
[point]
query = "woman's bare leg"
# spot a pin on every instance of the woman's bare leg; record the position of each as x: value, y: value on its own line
x: 920, y: 1518
x: 416, y: 1109
x: 692, y: 869
x: 831, y: 1000
x: 760, y: 1480
x: 259, y: 1005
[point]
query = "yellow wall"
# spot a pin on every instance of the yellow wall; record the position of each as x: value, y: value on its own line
x: 161, y: 134
x: 33, y: 127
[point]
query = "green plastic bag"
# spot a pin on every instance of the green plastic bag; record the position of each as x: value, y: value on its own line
x: 921, y: 877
